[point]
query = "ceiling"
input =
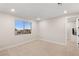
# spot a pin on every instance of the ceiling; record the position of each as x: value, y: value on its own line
x: 41, y: 10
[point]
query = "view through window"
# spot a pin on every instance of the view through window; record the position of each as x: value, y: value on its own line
x: 23, y: 27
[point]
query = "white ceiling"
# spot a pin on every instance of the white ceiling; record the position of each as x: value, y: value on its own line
x: 41, y: 10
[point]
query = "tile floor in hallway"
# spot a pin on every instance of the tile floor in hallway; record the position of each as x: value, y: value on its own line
x: 40, y: 48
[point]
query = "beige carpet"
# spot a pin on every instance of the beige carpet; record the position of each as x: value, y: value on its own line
x: 40, y: 48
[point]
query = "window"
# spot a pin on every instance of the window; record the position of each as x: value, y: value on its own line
x: 23, y: 27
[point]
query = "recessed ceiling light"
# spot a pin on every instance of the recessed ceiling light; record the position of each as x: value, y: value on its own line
x: 65, y: 12
x: 12, y: 10
x: 38, y: 19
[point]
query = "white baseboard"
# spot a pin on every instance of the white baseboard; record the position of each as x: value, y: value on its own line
x: 15, y: 45
x: 64, y: 44
x: 21, y: 43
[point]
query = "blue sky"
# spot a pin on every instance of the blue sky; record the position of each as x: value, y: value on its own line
x: 20, y: 24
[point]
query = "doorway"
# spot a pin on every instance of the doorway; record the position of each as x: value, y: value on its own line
x: 72, y: 32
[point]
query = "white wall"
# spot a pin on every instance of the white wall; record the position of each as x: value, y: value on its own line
x: 7, y: 32
x: 53, y: 30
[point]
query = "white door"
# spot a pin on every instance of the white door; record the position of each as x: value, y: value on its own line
x: 77, y: 29
x: 72, y: 39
